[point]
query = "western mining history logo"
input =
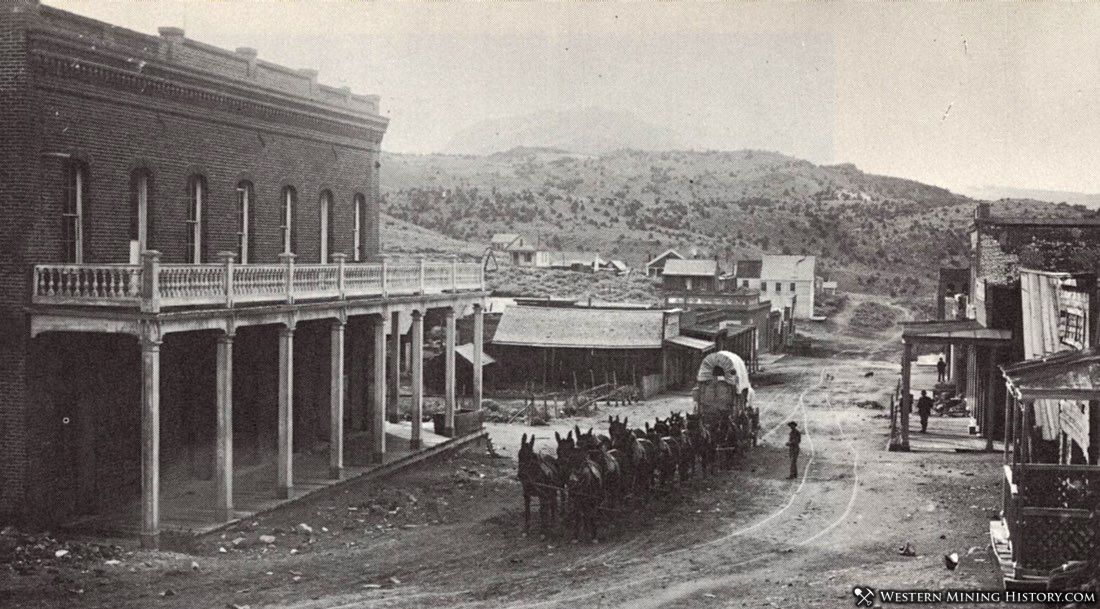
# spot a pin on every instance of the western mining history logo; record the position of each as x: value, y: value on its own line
x: 865, y: 596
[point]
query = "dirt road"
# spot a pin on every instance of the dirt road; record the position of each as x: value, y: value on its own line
x: 450, y: 534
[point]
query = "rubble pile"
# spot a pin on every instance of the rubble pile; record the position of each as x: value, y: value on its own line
x: 28, y: 553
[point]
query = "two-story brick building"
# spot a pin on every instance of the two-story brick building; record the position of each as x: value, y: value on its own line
x: 191, y: 286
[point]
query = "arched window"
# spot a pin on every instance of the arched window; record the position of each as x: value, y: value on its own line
x: 360, y: 203
x: 141, y: 192
x: 72, y: 212
x: 290, y: 200
x: 196, y: 208
x: 326, y: 224
x: 245, y: 214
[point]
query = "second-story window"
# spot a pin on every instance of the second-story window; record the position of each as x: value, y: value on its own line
x: 287, y: 219
x: 326, y: 224
x: 778, y: 287
x: 141, y: 186
x: 359, y: 234
x: 196, y: 195
x: 245, y: 212
x: 72, y: 214
x: 792, y: 286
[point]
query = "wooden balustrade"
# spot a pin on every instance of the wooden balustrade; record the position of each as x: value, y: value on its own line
x: 229, y: 284
x: 80, y: 284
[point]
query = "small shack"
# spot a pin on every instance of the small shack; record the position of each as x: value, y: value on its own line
x: 569, y: 348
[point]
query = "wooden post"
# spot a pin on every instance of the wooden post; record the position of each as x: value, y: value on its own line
x: 287, y: 258
x: 336, y: 394
x: 150, y: 439
x: 285, y: 466
x: 420, y: 261
x: 341, y: 264
x: 223, y: 467
x: 454, y: 273
x: 393, y: 378
x: 384, y: 272
x: 417, y: 378
x: 449, y: 350
x: 990, y: 412
x: 1009, y: 431
x: 378, y: 408
x: 150, y: 281
x: 226, y: 259
x: 479, y: 345
x: 906, y: 395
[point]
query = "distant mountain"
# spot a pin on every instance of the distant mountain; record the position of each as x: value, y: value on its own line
x: 580, y: 130
x: 992, y: 193
x: 870, y: 232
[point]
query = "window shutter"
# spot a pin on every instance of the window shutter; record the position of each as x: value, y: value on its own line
x: 150, y: 212
x: 294, y: 215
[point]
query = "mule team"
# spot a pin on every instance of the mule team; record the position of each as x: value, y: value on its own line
x: 594, y: 476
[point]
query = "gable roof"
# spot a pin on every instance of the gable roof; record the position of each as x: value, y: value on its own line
x: 662, y: 256
x: 505, y: 239
x: 748, y: 269
x: 789, y: 268
x: 580, y: 328
x: 691, y: 268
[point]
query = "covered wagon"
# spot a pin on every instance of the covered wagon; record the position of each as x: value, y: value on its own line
x: 723, y: 395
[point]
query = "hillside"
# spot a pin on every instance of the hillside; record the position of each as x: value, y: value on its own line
x: 401, y: 237
x: 586, y: 130
x: 872, y: 233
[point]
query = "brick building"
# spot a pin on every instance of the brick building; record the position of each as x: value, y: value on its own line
x: 191, y: 286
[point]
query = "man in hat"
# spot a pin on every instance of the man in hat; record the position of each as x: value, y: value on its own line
x: 793, y: 440
x: 924, y: 409
x: 941, y: 370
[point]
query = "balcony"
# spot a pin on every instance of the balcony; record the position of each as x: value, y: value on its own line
x: 152, y: 287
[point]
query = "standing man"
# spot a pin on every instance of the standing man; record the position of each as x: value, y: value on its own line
x: 793, y: 440
x: 924, y: 409
x: 941, y: 367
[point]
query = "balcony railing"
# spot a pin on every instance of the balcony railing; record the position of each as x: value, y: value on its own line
x: 151, y: 285
x: 1050, y: 513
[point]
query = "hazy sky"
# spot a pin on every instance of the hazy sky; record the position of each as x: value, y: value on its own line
x: 954, y: 94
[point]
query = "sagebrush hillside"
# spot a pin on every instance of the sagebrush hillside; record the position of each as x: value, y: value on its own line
x: 872, y: 233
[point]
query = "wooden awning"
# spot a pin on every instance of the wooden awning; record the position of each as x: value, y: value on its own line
x: 954, y: 332
x: 1069, y: 375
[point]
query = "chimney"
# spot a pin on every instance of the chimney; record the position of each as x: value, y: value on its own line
x: 170, y: 39
x: 249, y: 54
x: 981, y: 212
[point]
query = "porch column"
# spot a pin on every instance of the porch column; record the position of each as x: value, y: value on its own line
x: 479, y: 332
x: 449, y: 342
x: 417, y: 377
x: 989, y: 411
x: 336, y: 406
x: 223, y: 475
x: 393, y: 380
x: 1009, y: 432
x: 973, y: 393
x: 150, y: 440
x: 378, y: 407
x: 285, y: 488
x: 906, y: 396
x: 951, y: 365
